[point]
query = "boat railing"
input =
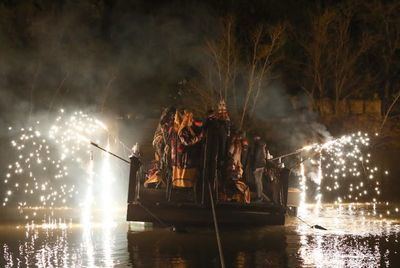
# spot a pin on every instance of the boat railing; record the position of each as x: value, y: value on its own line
x: 210, y: 171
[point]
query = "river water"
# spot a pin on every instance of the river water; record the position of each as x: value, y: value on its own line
x: 351, y: 240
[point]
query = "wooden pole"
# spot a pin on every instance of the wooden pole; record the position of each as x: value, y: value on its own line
x: 221, y: 253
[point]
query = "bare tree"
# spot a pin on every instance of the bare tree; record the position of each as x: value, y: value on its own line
x: 383, y: 18
x: 218, y: 79
x: 334, y: 57
x: 223, y: 53
x: 267, y: 58
x: 315, y: 46
x: 217, y: 75
x: 396, y: 98
x: 199, y: 96
x: 348, y: 78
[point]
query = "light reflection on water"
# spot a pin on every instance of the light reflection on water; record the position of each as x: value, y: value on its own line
x: 350, y: 241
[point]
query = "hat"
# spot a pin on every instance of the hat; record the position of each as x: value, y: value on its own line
x: 222, y: 112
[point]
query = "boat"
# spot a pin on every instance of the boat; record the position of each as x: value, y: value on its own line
x: 194, y: 207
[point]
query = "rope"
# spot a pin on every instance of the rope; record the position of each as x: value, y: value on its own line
x: 153, y: 215
x: 221, y: 254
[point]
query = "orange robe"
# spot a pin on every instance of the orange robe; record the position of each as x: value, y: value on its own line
x: 185, y: 156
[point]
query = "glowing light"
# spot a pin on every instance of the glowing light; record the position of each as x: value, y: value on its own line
x: 338, y: 163
x: 303, y: 189
x: 308, y: 147
x: 44, y: 157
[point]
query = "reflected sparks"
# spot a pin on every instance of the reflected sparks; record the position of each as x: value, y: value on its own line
x: 54, y: 174
x: 359, y: 220
x: 349, y: 241
x: 58, y: 247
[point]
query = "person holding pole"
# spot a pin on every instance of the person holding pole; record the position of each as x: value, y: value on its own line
x: 258, y: 164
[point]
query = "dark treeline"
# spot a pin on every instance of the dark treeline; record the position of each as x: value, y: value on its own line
x: 136, y: 56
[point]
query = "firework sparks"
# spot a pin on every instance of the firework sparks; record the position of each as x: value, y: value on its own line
x: 35, y: 175
x: 40, y: 174
x: 342, y: 169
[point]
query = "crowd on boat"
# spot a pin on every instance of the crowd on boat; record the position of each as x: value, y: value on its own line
x: 186, y: 149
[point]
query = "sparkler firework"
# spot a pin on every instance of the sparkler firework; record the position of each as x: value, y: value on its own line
x: 35, y: 177
x: 49, y: 162
x: 342, y: 169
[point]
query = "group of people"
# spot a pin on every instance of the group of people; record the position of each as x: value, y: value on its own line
x: 188, y: 150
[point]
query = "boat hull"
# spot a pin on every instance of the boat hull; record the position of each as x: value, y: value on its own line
x: 191, y: 214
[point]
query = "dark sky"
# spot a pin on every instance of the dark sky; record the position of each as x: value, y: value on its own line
x: 127, y: 55
x: 122, y: 56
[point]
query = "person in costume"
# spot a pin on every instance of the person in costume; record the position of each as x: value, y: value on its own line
x: 162, y: 148
x: 185, y: 150
x: 258, y: 164
x: 235, y: 168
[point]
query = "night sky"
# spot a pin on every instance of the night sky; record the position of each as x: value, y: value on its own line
x: 130, y: 57
x: 131, y: 53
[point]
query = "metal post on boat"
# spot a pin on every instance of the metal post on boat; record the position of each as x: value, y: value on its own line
x: 203, y: 181
x: 135, y: 163
x: 210, y: 161
x: 284, y: 185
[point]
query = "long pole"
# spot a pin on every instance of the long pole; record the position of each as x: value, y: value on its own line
x: 285, y: 155
x: 221, y: 254
x: 107, y: 151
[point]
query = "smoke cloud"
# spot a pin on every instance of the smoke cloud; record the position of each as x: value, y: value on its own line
x: 289, y: 121
x: 121, y: 57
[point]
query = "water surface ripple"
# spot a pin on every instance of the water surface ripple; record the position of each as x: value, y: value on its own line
x: 350, y: 241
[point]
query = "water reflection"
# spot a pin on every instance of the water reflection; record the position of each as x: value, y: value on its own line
x: 350, y: 241
x: 106, y: 221
x: 69, y: 247
x: 35, y: 247
x: 197, y: 248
